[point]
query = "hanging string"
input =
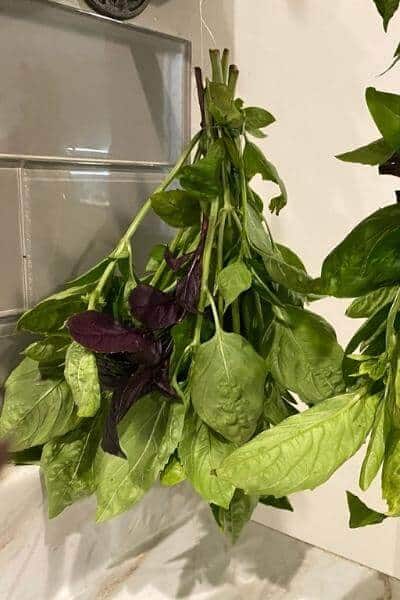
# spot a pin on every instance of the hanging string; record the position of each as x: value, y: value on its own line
x: 204, y: 27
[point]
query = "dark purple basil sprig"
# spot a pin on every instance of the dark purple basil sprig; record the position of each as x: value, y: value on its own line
x: 137, y: 359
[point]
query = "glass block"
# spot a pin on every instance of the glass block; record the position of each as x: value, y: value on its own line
x: 79, y: 86
x: 74, y: 217
x: 11, y: 253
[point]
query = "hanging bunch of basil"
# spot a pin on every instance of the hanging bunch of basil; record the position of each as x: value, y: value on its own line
x: 177, y: 373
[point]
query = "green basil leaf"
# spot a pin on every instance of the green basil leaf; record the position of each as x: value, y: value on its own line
x: 35, y: 410
x: 92, y: 276
x: 256, y: 163
x: 83, y: 379
x: 391, y: 473
x: 385, y: 110
x: 68, y: 465
x: 386, y: 9
x: 367, y: 259
x: 115, y: 490
x: 257, y: 118
x: 360, y: 514
x: 149, y: 434
x: 51, y: 349
x: 281, y: 503
x: 227, y: 386
x: 156, y: 257
x: 204, y: 176
x: 376, y: 448
x: 233, y: 280
x: 177, y: 208
x: 232, y: 520
x: 257, y: 133
x: 375, y: 153
x: 303, y: 451
x: 368, y: 331
x: 173, y: 473
x: 201, y: 452
x: 305, y: 356
x: 291, y: 258
x: 281, y: 264
x: 365, y: 306
x: 258, y: 237
x: 182, y: 335
x: 50, y: 315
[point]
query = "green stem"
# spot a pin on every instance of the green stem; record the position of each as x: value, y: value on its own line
x: 216, y: 66
x: 233, y: 78
x: 215, y: 313
x: 220, y: 258
x: 120, y: 249
x: 96, y: 294
x: 225, y: 65
x: 161, y: 188
x: 206, y: 267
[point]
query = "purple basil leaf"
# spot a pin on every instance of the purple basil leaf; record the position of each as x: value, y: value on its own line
x: 188, y: 288
x: 175, y: 264
x: 154, y: 308
x: 113, y: 368
x: 124, y: 397
x: 100, y: 333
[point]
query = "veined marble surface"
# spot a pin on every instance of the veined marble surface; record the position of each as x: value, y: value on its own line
x: 167, y: 547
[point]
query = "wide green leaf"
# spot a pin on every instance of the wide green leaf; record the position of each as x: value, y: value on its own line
x: 232, y: 520
x: 282, y: 265
x: 386, y: 9
x: 177, y: 208
x: 115, y: 491
x: 83, y: 379
x: 257, y: 118
x: 360, y: 514
x: 202, y: 452
x: 92, y: 276
x: 376, y: 448
x: 305, y: 450
x: 50, y: 350
x: 227, y: 385
x: 204, y: 176
x: 375, y: 153
x: 68, y: 465
x: 305, y: 356
x: 367, y: 259
x: 149, y: 434
x: 281, y: 503
x: 385, y: 110
x: 233, y: 280
x: 391, y: 473
x: 35, y: 409
x: 50, y: 314
x: 255, y: 163
x: 365, y: 306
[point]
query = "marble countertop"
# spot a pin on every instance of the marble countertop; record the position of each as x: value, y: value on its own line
x: 167, y: 547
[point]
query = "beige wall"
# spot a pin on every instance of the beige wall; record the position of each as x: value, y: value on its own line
x: 309, y: 61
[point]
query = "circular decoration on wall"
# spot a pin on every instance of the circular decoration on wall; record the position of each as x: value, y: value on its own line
x: 119, y: 9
